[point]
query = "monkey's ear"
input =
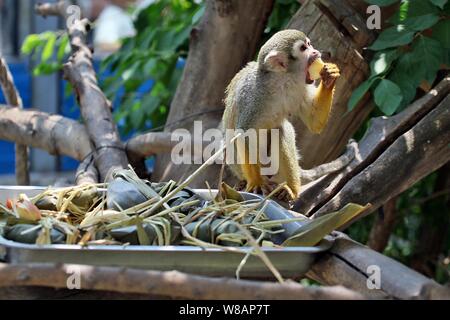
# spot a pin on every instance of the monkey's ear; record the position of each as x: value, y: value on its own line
x: 276, y: 61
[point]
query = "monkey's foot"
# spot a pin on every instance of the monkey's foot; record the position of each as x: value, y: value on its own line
x: 241, y: 185
x: 265, y: 188
x: 329, y: 74
x: 285, y: 194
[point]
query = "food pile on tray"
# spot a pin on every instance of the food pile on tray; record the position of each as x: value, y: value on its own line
x: 131, y: 211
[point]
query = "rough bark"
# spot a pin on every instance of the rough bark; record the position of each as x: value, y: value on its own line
x: 52, y: 133
x: 350, y: 264
x: 383, y: 226
x: 94, y: 106
x: 171, y: 284
x: 387, y: 151
x: 334, y: 27
x: 109, y: 152
x: 13, y: 98
x: 413, y: 155
x: 63, y: 136
x: 150, y: 144
x: 52, y: 9
x: 86, y: 172
x: 226, y: 38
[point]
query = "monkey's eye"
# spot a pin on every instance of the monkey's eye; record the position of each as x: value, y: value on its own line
x: 303, y: 47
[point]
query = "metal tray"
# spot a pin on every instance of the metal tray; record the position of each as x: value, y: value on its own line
x: 290, y: 262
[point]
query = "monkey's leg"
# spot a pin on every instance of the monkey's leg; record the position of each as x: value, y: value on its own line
x: 251, y: 172
x: 289, y: 170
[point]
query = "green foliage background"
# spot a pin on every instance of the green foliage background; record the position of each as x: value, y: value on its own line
x: 406, y: 54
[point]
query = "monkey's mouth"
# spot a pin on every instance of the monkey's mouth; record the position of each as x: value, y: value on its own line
x: 308, y: 79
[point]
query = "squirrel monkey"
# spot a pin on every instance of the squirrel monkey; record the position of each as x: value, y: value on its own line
x: 262, y: 96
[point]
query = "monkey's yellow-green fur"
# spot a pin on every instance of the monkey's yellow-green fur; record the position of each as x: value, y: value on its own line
x: 263, y: 95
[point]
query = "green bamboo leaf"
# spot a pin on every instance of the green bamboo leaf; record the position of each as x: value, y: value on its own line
x: 47, y: 52
x: 313, y: 232
x: 142, y: 235
x: 439, y: 3
x: 227, y: 192
x: 359, y: 92
x: 382, y: 3
x: 421, y: 22
x: 63, y: 46
x: 393, y: 37
x: 383, y: 61
x: 388, y: 96
x: 30, y: 43
x: 441, y: 32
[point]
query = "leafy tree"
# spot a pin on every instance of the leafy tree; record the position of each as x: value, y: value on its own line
x: 407, y: 54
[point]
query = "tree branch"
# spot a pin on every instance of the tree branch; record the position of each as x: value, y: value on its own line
x: 387, y: 151
x: 383, y: 226
x: 13, y: 98
x: 95, y: 108
x: 86, y: 172
x: 171, y: 284
x: 52, y: 9
x: 63, y: 136
x: 351, y: 264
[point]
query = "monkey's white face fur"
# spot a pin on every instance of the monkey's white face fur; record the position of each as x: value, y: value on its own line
x: 295, y: 61
x: 304, y: 54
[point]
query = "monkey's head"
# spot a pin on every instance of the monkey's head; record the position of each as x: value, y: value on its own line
x: 288, y: 51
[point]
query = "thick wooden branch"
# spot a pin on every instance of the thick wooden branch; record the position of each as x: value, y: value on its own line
x: 52, y: 133
x: 63, y: 136
x: 149, y: 144
x: 404, y: 148
x: 13, y: 98
x: 52, y: 9
x: 351, y: 264
x: 86, y: 172
x: 109, y: 152
x: 94, y: 106
x: 171, y: 284
x: 416, y: 153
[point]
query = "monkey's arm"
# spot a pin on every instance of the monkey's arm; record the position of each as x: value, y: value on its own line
x: 321, y: 103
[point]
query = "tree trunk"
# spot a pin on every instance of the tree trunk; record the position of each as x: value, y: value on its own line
x: 334, y: 27
x: 227, y: 37
x: 383, y: 226
x: 434, y: 230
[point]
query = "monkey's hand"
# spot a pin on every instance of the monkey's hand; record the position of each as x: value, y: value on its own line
x: 330, y: 72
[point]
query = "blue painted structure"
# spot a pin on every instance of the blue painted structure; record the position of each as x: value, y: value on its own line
x: 22, y: 77
x: 22, y: 80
